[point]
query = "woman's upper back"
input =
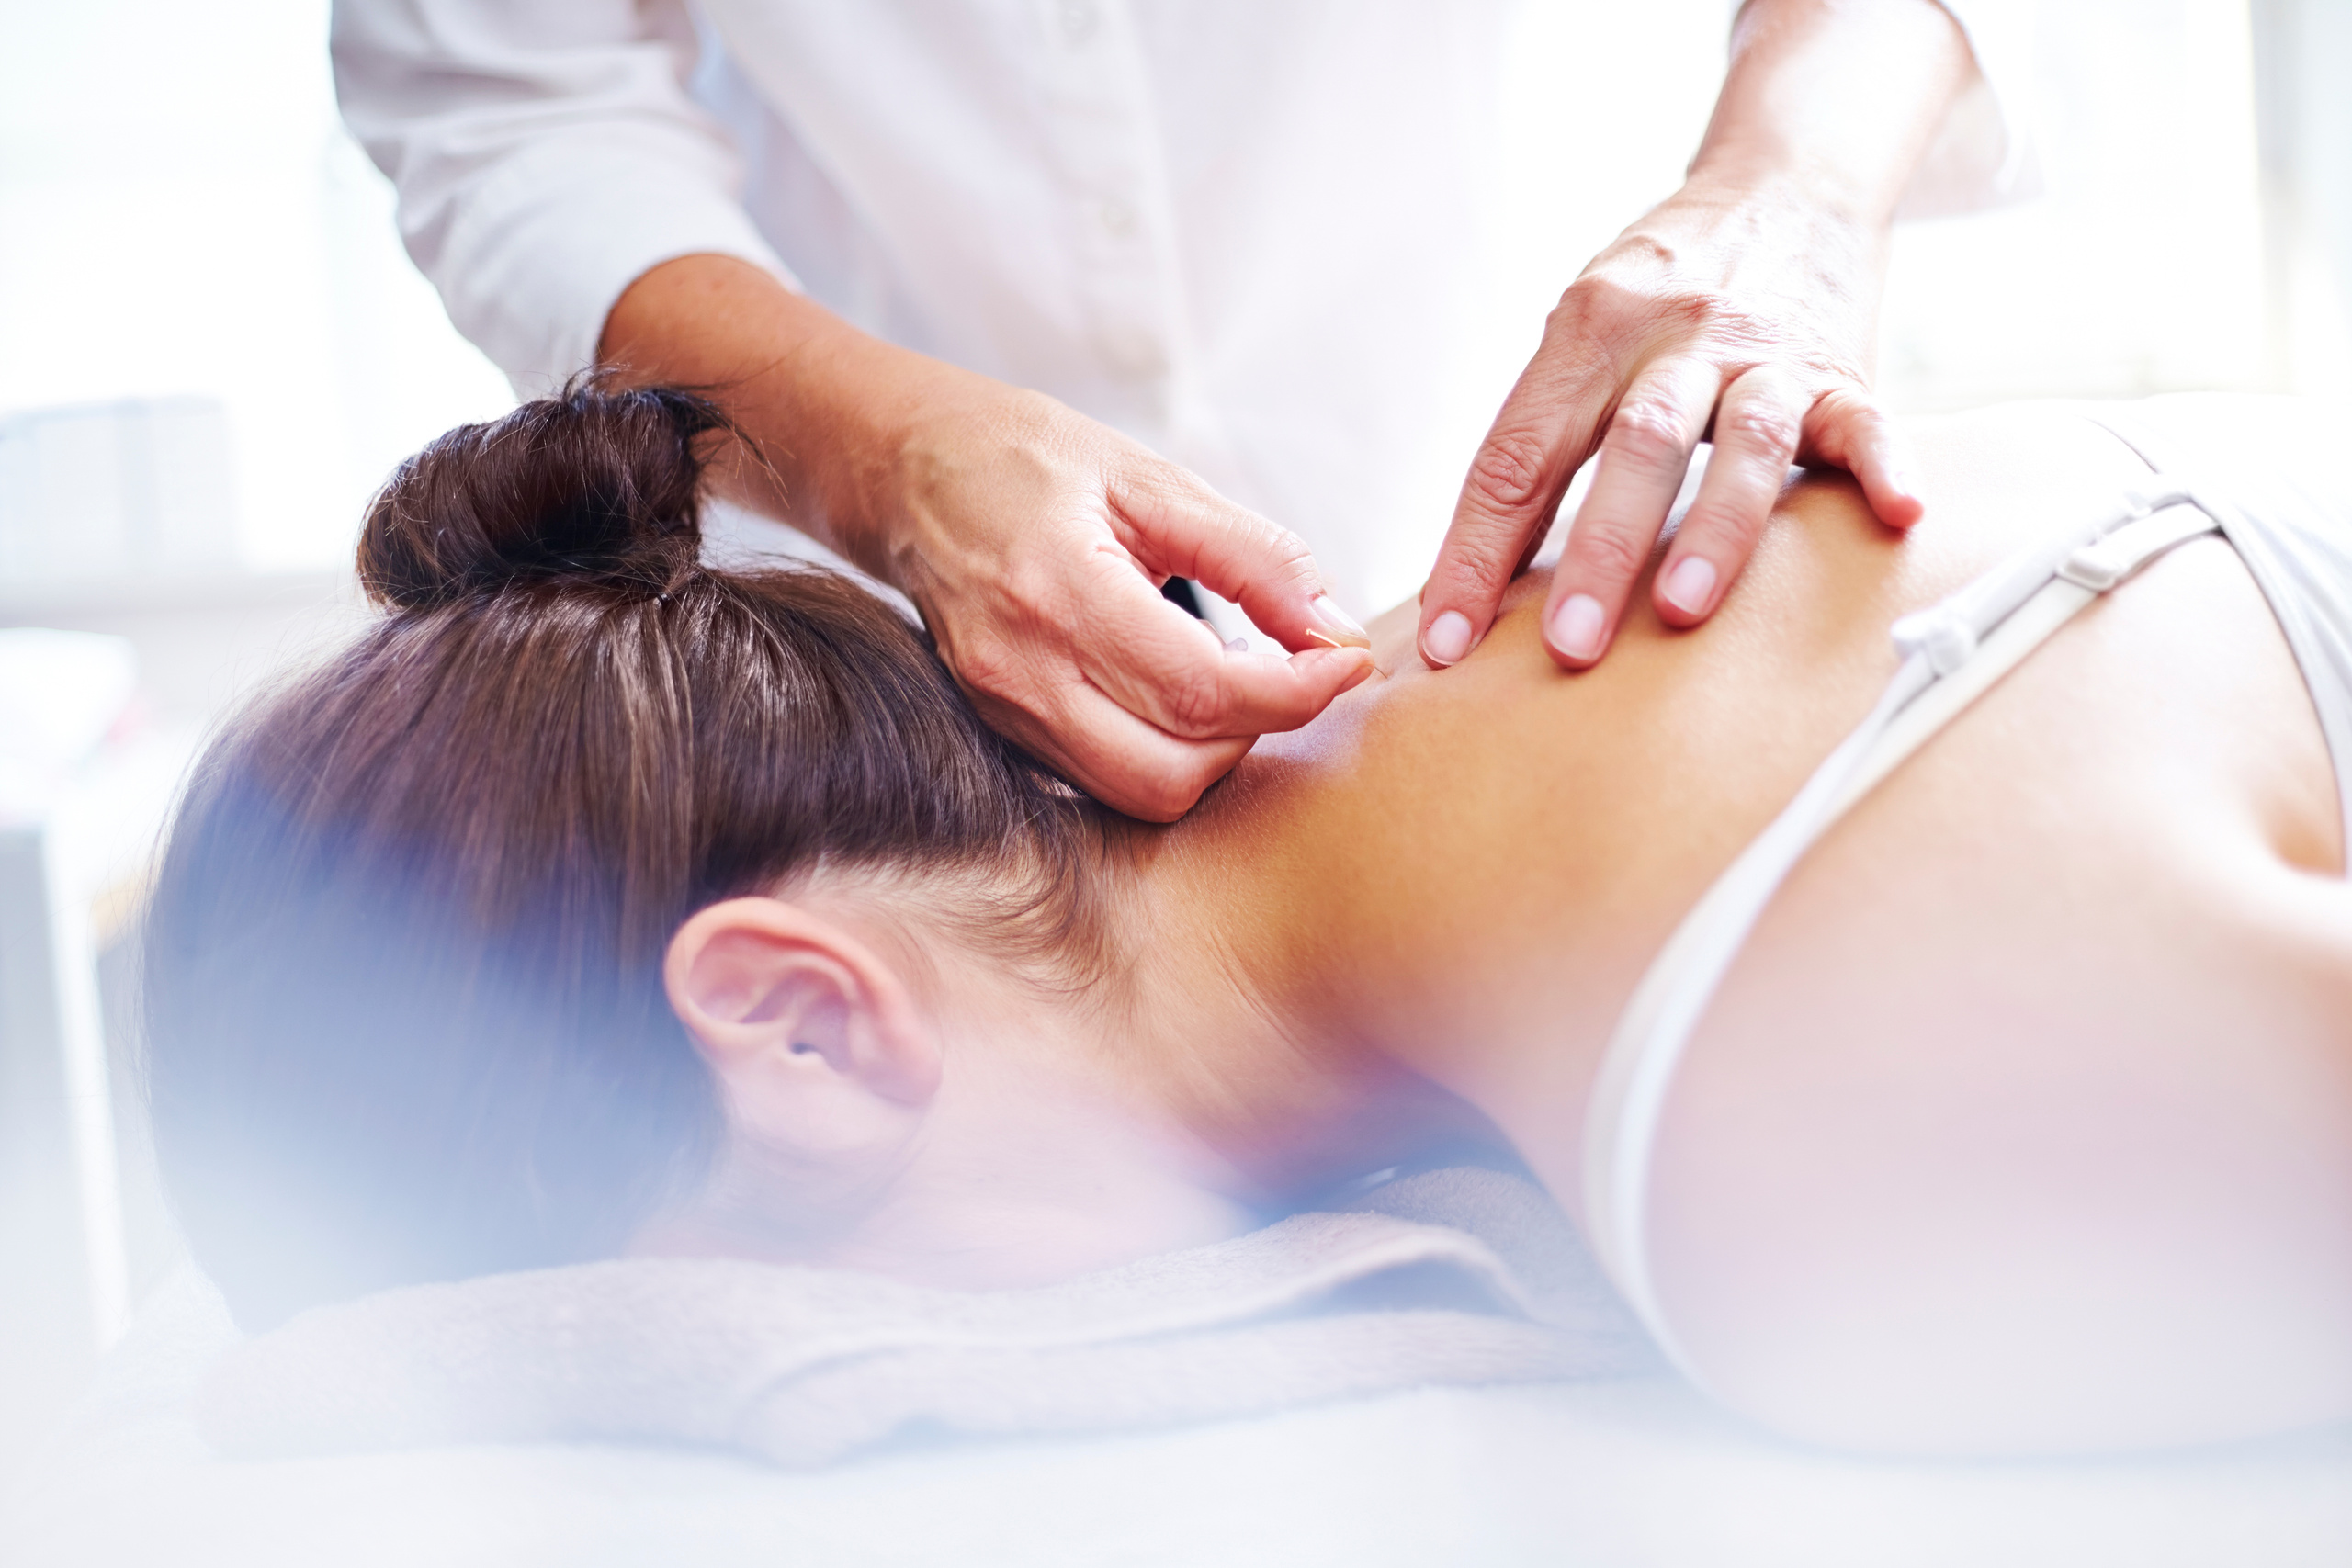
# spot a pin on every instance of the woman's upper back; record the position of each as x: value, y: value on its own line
x: 1495, y: 852
x: 2023, y: 1119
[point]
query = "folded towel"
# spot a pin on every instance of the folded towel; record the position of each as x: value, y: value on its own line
x: 1454, y: 1276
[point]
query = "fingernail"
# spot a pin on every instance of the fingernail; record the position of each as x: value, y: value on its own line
x: 1447, y: 639
x: 1691, y: 582
x: 1345, y: 632
x: 1576, y: 626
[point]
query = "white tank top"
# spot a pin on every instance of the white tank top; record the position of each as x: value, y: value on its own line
x: 2296, y: 547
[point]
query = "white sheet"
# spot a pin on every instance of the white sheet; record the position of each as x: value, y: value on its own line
x: 1631, y: 1472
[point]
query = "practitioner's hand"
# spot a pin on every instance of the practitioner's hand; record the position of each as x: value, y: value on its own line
x: 1739, y: 316
x: 1035, y: 541
x: 1745, y: 305
x: 1032, y: 539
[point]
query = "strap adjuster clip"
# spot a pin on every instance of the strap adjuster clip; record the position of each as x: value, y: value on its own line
x: 2096, y: 567
x: 1947, y: 641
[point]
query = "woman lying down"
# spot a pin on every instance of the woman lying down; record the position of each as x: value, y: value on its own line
x: 1975, y: 1079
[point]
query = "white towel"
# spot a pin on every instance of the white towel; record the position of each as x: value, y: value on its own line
x: 1454, y: 1276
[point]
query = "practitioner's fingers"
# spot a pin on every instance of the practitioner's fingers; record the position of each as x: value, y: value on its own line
x: 1140, y: 705
x: 1177, y: 526
x: 1126, y: 764
x: 1845, y: 426
x: 1540, y: 437
x: 1643, y: 455
x: 1168, y: 670
x: 1757, y: 425
x: 1037, y: 556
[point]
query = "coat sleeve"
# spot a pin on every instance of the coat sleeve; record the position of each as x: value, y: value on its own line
x: 546, y: 153
x: 1984, y: 154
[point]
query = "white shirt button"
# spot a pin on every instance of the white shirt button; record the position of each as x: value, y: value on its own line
x: 1117, y: 219
x: 1079, y: 19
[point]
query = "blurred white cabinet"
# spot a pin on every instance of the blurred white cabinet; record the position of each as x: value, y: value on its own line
x: 64, y: 1280
x: 136, y: 487
x: 83, y: 1227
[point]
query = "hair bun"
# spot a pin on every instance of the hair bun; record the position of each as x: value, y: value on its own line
x: 597, y: 483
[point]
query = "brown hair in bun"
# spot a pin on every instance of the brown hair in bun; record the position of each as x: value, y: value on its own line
x: 403, y: 1000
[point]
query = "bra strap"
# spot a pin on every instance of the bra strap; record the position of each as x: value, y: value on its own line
x: 1950, y: 654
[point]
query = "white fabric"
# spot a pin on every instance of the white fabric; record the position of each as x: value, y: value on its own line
x: 2285, y: 502
x: 1239, y: 229
x: 1591, y: 1475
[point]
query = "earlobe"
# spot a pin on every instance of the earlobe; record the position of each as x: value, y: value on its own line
x: 785, y: 1005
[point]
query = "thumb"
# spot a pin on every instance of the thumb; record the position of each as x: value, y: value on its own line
x: 1194, y: 532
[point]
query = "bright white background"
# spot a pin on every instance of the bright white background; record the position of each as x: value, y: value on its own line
x: 180, y: 212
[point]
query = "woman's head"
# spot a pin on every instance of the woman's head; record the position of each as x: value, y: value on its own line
x: 405, y: 1005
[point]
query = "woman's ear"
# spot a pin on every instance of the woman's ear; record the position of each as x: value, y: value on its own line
x: 820, y: 1046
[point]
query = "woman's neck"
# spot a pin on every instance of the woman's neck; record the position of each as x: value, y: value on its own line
x: 1227, y: 1021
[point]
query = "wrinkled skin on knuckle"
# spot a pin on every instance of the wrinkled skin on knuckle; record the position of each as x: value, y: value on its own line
x: 1789, y: 339
x: 1763, y: 282
x: 1595, y: 306
x: 1726, y: 334
x: 1610, y: 553
x: 1481, y: 559
x: 1853, y: 408
x: 1508, y: 473
x: 1842, y: 426
x: 1195, y: 701
x: 1635, y: 299
x: 1156, y: 510
x: 1287, y: 552
x: 1630, y: 303
x: 1693, y: 317
x: 1142, y: 484
x: 1646, y: 433
x: 1266, y: 559
x: 1765, y: 427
